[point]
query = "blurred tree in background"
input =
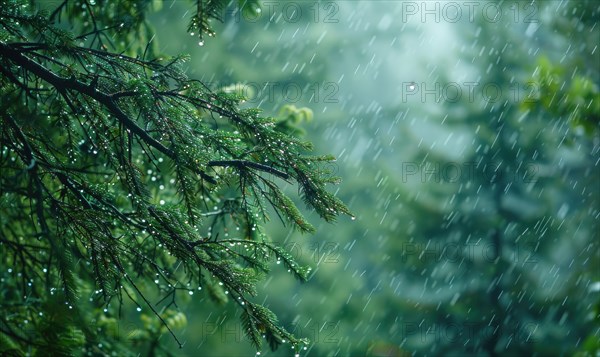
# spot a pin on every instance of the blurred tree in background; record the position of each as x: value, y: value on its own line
x: 476, y: 229
x: 125, y: 185
x: 502, y: 242
x: 505, y: 207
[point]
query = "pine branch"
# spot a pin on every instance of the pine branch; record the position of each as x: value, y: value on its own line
x: 62, y: 84
x: 250, y: 164
x: 90, y: 128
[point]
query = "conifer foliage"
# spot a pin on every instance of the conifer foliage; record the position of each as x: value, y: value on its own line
x: 123, y: 182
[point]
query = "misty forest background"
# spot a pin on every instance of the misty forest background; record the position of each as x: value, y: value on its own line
x: 458, y: 199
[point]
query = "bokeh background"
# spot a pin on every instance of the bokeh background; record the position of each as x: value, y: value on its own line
x: 467, y: 137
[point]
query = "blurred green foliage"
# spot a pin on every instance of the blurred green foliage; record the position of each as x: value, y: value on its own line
x: 578, y: 102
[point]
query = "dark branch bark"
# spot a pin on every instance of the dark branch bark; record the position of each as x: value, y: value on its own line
x: 62, y: 84
x: 108, y: 100
x: 250, y: 164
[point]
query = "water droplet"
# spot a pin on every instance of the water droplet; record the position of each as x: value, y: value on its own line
x: 201, y: 43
